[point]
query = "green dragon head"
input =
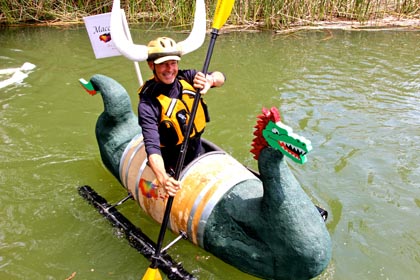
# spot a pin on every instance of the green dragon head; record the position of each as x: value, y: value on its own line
x: 281, y: 137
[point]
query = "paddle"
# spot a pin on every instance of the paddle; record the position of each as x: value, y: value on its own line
x: 223, y: 9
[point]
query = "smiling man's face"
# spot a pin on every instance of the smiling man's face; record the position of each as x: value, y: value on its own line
x: 166, y: 71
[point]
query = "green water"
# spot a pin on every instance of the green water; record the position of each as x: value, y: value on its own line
x: 355, y: 95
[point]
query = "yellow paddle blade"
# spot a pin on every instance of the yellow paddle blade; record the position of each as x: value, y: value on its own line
x: 223, y: 9
x: 152, y: 274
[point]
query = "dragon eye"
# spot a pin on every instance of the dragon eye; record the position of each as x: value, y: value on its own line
x: 275, y: 131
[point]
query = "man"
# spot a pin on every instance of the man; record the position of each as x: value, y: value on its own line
x: 164, y: 109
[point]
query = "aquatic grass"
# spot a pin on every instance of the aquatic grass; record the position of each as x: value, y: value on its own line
x: 27, y: 11
x: 409, y: 7
x: 278, y: 13
x: 273, y: 14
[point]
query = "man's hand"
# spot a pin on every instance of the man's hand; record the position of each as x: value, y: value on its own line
x: 203, y: 83
x: 171, y: 185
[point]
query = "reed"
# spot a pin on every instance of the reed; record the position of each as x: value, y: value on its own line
x: 272, y: 14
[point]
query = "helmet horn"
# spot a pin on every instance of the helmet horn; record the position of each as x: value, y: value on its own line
x: 140, y: 52
x: 198, y: 32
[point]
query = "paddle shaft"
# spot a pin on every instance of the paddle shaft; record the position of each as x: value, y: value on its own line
x: 183, y: 152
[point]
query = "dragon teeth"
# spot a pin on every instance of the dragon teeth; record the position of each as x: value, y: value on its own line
x: 296, y: 152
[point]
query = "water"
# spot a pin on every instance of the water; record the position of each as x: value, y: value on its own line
x: 354, y: 94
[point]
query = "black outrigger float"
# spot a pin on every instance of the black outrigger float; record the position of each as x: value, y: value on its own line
x: 136, y: 238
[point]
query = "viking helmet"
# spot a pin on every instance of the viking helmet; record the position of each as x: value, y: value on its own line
x: 135, y: 52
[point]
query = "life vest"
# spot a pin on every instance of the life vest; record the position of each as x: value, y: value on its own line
x: 175, y: 115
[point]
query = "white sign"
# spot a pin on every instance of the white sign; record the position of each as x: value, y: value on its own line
x: 98, y: 28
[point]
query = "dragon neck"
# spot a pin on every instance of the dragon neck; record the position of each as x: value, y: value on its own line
x: 115, y: 98
x: 280, y: 185
x: 117, y: 125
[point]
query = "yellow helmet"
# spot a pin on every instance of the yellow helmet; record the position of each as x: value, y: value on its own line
x: 163, y: 49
